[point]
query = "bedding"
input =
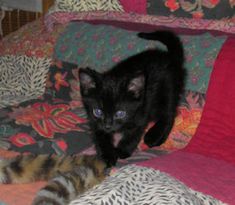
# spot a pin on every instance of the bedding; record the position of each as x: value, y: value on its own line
x: 20, y: 133
x: 86, y: 5
x: 147, y: 22
x: 45, y: 132
x: 202, y: 173
x: 31, y: 40
x: 95, y: 46
x: 135, y: 185
x: 101, y: 46
x: 218, y: 9
x: 134, y: 6
x: 23, y: 134
x: 21, y: 78
x: 207, y: 164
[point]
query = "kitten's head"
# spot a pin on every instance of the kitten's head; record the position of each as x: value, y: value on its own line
x: 111, y: 101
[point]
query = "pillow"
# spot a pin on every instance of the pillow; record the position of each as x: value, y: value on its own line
x: 102, y: 46
x: 206, y: 9
x: 87, y: 5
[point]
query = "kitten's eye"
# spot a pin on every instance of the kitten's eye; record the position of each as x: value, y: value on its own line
x: 120, y: 114
x: 97, y: 113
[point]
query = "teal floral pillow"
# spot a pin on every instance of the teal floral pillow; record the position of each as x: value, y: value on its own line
x: 102, y: 46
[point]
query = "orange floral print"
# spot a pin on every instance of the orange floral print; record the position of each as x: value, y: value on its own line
x: 60, y: 80
x: 184, y: 128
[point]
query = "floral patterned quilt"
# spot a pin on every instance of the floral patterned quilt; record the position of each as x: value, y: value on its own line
x: 56, y: 121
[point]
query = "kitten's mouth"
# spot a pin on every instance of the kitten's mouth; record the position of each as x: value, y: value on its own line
x: 109, y: 130
x: 116, y: 138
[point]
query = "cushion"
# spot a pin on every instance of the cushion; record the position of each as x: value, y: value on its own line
x: 87, y: 5
x: 101, y: 46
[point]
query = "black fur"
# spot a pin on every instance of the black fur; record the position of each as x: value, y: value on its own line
x: 146, y: 87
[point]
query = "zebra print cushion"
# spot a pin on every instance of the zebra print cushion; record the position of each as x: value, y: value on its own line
x: 140, y: 186
x: 21, y: 78
x: 87, y: 5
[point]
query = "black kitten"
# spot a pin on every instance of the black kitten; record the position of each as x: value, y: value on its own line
x: 143, y: 88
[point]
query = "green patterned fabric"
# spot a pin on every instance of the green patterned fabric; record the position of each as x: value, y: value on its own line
x: 102, y: 46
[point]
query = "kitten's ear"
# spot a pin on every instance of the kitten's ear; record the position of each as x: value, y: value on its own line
x: 87, y: 79
x: 136, y: 85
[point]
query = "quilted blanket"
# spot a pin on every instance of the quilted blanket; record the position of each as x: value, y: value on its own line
x: 19, y: 133
x: 135, y: 185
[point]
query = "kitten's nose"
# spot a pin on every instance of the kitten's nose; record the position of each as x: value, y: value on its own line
x: 108, y: 126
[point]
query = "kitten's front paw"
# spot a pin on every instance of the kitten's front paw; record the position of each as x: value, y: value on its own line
x: 123, y: 154
x: 110, y: 160
x: 153, y: 138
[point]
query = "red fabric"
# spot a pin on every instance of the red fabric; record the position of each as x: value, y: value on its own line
x: 204, y: 174
x: 136, y: 6
x: 215, y: 136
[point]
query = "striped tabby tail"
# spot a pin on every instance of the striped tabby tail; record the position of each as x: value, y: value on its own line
x: 68, y: 176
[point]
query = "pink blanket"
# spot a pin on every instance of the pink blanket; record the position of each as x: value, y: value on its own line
x: 207, y: 164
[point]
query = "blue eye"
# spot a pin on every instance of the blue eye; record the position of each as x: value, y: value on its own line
x: 97, y: 113
x: 120, y: 114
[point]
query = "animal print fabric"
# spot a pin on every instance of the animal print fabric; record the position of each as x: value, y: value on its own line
x: 21, y: 78
x: 135, y: 185
x: 87, y: 5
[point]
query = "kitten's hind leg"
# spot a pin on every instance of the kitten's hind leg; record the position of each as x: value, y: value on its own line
x: 165, y: 115
x: 158, y: 133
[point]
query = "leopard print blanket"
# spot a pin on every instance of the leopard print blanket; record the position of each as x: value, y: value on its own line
x: 135, y: 185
